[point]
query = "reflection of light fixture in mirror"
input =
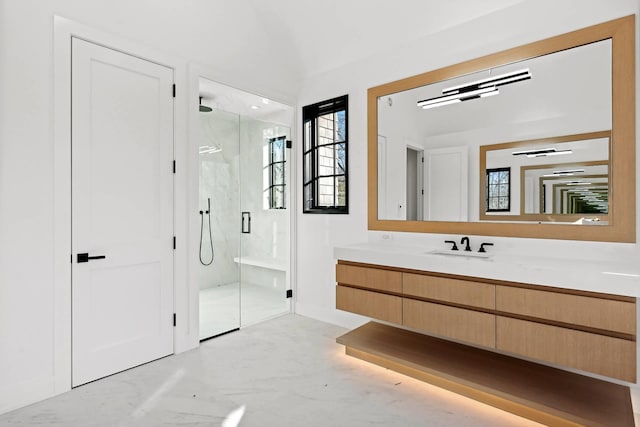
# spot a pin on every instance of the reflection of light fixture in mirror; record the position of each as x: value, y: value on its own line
x: 458, y: 97
x: 476, y: 89
x: 542, y: 152
x: 566, y: 172
x: 578, y: 183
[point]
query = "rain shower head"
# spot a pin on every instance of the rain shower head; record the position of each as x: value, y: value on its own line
x: 204, y: 108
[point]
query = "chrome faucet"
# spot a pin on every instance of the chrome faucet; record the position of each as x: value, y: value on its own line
x: 462, y: 242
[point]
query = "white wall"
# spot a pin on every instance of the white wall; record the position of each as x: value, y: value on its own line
x: 524, y: 22
x: 193, y: 31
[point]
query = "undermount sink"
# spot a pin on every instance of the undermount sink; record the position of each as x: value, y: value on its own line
x: 464, y: 254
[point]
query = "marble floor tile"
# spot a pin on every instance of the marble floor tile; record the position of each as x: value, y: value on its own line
x: 287, y: 371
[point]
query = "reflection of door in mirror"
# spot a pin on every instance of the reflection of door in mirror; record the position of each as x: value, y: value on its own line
x: 446, y: 184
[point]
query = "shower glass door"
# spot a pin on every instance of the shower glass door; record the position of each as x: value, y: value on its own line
x: 265, y: 204
x: 244, y: 194
x: 219, y: 204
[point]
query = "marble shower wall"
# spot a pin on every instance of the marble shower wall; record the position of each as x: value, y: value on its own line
x: 220, y: 180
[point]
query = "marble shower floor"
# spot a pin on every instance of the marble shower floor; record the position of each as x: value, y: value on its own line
x: 287, y: 371
x: 221, y: 307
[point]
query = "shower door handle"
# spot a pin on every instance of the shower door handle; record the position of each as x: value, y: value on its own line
x: 85, y: 257
x: 246, y: 222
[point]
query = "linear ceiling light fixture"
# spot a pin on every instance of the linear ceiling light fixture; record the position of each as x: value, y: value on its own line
x: 566, y: 172
x: 476, y: 89
x: 541, y: 152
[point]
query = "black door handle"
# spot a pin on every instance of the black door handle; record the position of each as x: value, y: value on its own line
x: 85, y: 257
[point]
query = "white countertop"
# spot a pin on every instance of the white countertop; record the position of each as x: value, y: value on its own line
x: 613, y: 277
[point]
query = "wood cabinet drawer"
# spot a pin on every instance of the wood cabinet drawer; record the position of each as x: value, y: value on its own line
x: 457, y: 323
x: 372, y: 278
x: 449, y: 290
x: 598, y: 313
x: 368, y: 303
x: 612, y: 357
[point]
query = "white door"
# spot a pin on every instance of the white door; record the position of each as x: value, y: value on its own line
x: 122, y: 210
x: 446, y: 172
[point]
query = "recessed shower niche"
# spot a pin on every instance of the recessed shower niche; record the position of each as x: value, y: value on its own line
x: 243, y: 212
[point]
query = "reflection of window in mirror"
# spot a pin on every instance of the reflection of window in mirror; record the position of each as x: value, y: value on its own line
x: 274, y: 180
x: 325, y: 140
x: 498, y: 193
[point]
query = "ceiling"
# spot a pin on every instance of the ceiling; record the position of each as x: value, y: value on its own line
x: 327, y: 34
x: 273, y: 45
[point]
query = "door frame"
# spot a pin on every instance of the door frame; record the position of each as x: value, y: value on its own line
x: 419, y: 179
x: 64, y: 30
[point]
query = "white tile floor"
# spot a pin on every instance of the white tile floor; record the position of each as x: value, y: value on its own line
x: 287, y: 371
x: 227, y: 307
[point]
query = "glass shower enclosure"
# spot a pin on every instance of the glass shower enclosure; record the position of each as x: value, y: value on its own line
x: 244, y: 247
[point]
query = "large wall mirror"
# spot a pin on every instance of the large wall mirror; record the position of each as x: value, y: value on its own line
x: 536, y: 141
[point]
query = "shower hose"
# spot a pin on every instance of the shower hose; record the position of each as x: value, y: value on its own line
x: 208, y: 213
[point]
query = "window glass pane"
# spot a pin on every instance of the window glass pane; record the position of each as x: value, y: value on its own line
x: 326, y: 192
x: 341, y: 126
x: 278, y: 174
x: 308, y: 196
x: 307, y: 168
x: 341, y: 191
x: 278, y: 197
x: 277, y: 153
x: 341, y: 158
x: 307, y: 136
x: 325, y: 160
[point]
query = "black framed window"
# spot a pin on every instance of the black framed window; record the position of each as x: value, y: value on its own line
x: 498, y: 191
x: 275, y: 171
x: 325, y: 155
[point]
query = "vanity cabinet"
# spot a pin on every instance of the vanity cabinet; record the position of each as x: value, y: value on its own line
x: 370, y: 304
x: 593, y: 332
x: 372, y: 292
x: 452, y: 322
x: 600, y: 354
x: 605, y: 312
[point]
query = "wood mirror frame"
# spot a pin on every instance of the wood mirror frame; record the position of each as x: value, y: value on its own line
x: 622, y: 219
